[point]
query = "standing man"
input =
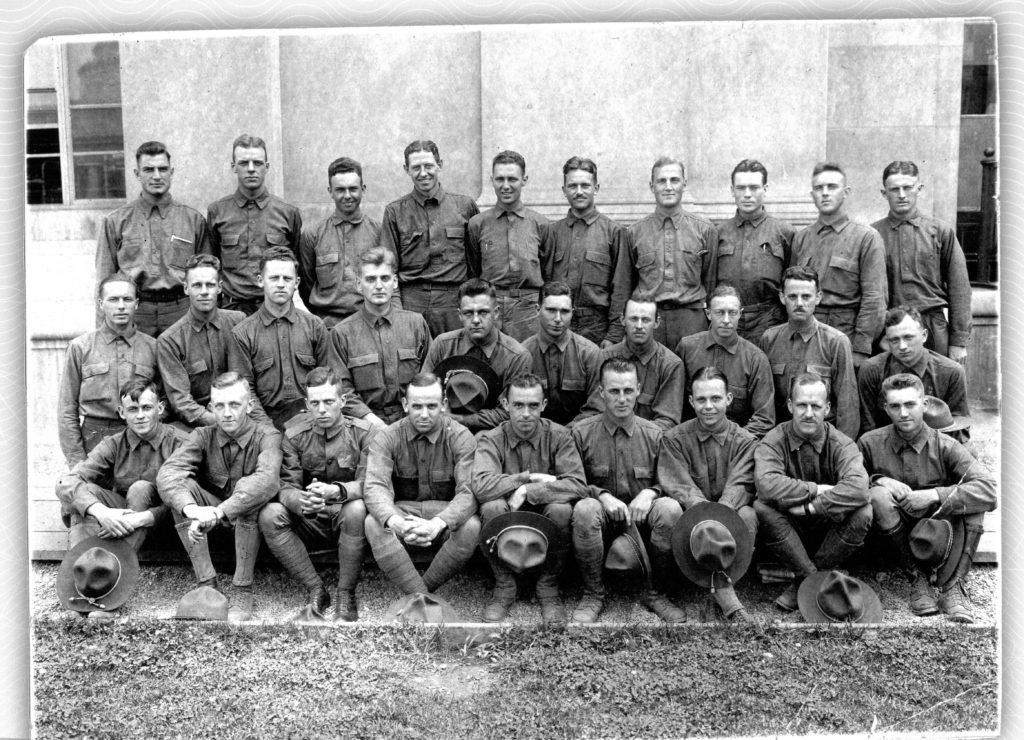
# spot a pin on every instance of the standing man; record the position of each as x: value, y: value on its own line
x: 849, y: 259
x: 673, y: 253
x: 426, y: 230
x: 247, y: 223
x: 275, y: 348
x: 418, y: 491
x: 380, y: 347
x: 753, y: 251
x: 925, y: 264
x: 565, y: 362
x: 194, y: 350
x: 596, y: 263
x: 150, y: 240
x: 99, y: 366
x: 752, y: 403
x: 803, y: 344
x: 329, y: 254
x: 510, y: 246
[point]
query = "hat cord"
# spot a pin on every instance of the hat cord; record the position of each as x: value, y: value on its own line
x: 728, y: 580
x: 95, y: 600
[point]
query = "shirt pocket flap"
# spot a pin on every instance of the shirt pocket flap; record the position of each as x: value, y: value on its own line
x: 199, y: 366
x: 601, y: 258
x: 642, y: 472
x: 600, y: 471
x: 646, y: 259
x: 779, y: 368
x: 455, y: 232
x: 573, y: 384
x: 844, y: 263
x: 441, y: 475
x: 823, y: 370
x: 404, y: 353
x: 260, y: 365
x: 363, y: 360
x: 230, y: 240
x: 95, y: 368
x: 726, y: 248
x: 277, y: 239
x: 305, y: 360
x: 144, y: 371
x: 739, y: 392
x: 327, y: 259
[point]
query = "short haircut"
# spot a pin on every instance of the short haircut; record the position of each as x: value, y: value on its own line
x: 899, y: 167
x: 323, y: 376
x: 423, y: 380
x: 509, y: 157
x: 666, y: 160
x: 202, y: 260
x: 554, y: 288
x: 895, y: 315
x: 804, y: 379
x: 378, y: 256
x: 477, y: 286
x: 117, y: 277
x: 827, y: 167
x: 248, y: 141
x: 136, y: 388
x: 804, y: 272
x: 899, y: 381
x: 617, y: 365
x: 579, y: 163
x: 639, y: 296
x: 421, y: 145
x: 228, y: 379
x: 524, y: 382
x: 723, y: 289
x: 278, y: 254
x: 151, y: 149
x: 342, y: 166
x: 749, y: 165
x: 709, y: 372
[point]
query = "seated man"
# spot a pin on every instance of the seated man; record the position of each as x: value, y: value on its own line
x: 224, y: 474
x: 321, y: 497
x: 919, y: 473
x: 418, y: 491
x: 620, y: 454
x: 811, y: 487
x: 528, y: 463
x: 711, y: 458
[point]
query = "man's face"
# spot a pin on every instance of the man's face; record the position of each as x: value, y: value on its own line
x: 555, y: 316
x: 346, y: 191
x: 524, y: 407
x: 828, y: 189
x: 424, y: 406
x: 377, y: 283
x: 618, y: 391
x: 901, y: 191
x: 906, y: 341
x: 278, y: 281
x: 809, y: 406
x: 424, y: 170
x: 724, y: 316
x: 667, y: 185
x: 748, y: 190
x: 640, y: 321
x: 906, y: 407
x: 580, y: 188
x: 118, y: 303
x: 801, y: 298
x: 143, y: 415
x: 250, y: 166
x: 508, y: 181
x: 154, y: 172
x: 477, y: 312
x: 202, y: 287
x: 710, y: 400
x: 231, y: 406
x: 325, y: 404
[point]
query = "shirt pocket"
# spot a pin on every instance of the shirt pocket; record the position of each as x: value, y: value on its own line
x: 232, y: 253
x: 95, y: 382
x: 740, y: 404
x: 598, y: 475
x: 779, y: 377
x: 644, y: 475
x: 197, y: 368
x: 327, y: 269
x: 842, y: 276
x: 276, y: 238
x: 573, y: 384
x: 454, y: 251
x: 143, y: 370
x: 262, y: 365
x: 132, y: 250
x: 408, y: 365
x: 306, y: 360
x: 411, y: 254
x: 180, y: 248
x: 442, y: 484
x: 366, y: 375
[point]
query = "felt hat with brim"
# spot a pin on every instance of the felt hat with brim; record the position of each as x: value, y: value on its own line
x: 627, y: 553
x: 421, y: 608
x: 470, y: 384
x: 519, y: 539
x: 938, y: 416
x: 830, y: 596
x: 936, y: 545
x: 203, y: 602
x: 711, y: 544
x: 97, y: 575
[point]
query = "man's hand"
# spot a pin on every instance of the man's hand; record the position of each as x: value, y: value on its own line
x: 542, y: 478
x: 517, y: 499
x: 823, y: 488
x: 401, y: 525
x: 425, y: 531
x: 917, y: 503
x: 139, y: 519
x: 957, y: 353
x: 329, y: 492
x: 893, y: 486
x: 311, y: 503
x: 641, y: 505
x: 858, y: 359
x: 616, y: 510
x: 204, y: 518
x: 112, y: 522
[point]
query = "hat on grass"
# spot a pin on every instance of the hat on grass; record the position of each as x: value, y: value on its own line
x: 938, y: 416
x: 97, y: 575
x: 421, y: 608
x: 936, y: 545
x: 470, y: 384
x: 519, y: 539
x: 831, y: 596
x: 203, y: 602
x: 711, y: 544
x: 628, y: 553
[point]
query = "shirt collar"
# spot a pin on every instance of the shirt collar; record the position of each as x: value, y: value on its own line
x: 838, y: 225
x: 917, y: 442
x: 675, y: 215
x: 894, y: 221
x: 242, y: 440
x: 713, y: 341
x: 260, y: 200
x: 645, y: 356
x: 422, y: 199
x: 589, y: 216
x: 109, y: 335
x: 629, y: 426
x: 337, y: 219
x: 756, y: 220
x: 805, y: 334
x: 198, y: 324
x: 268, y: 318
x: 919, y: 368
x: 147, y: 206
x: 371, y: 319
x: 796, y: 441
x: 545, y: 342
x: 501, y: 210
x: 466, y: 342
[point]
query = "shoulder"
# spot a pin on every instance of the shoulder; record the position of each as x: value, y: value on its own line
x: 282, y: 205
x: 121, y: 212
x: 741, y: 435
x: 557, y: 432
x: 267, y: 434
x: 409, y: 319
x: 584, y: 345
x: 457, y: 434
x: 144, y: 341
x: 837, y: 440
x: 946, y: 364
x: 584, y: 427
x: 247, y: 326
x: 446, y: 339
x: 638, y: 225
x: 777, y: 437
x: 512, y: 345
x: 83, y: 342
x: 875, y: 437
x: 647, y: 428
x: 397, y: 203
x: 681, y: 432
x: 868, y: 234
x: 780, y: 225
x: 299, y: 428
x: 697, y: 220
x: 746, y: 347
x: 667, y: 357
x: 832, y: 333
x: 221, y: 204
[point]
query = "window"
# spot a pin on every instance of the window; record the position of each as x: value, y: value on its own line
x: 978, y: 86
x: 42, y: 146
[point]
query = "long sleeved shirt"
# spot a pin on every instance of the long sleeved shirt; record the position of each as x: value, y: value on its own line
x: 511, y: 249
x: 568, y: 371
x: 752, y: 254
x: 696, y: 465
x: 927, y: 269
x: 818, y: 349
x: 784, y: 480
x: 618, y: 459
x: 428, y: 234
x: 850, y: 261
x: 672, y: 256
x: 504, y: 461
x: 329, y: 263
x: 405, y: 465
x: 244, y: 484
x: 98, y: 366
x: 378, y: 356
x: 941, y: 377
x: 931, y: 460
x: 660, y: 383
x: 596, y: 264
x: 747, y: 370
x: 190, y: 354
x: 242, y: 229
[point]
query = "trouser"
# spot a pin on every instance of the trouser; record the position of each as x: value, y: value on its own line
x: 141, y: 496
x: 339, y: 525
x: 248, y: 306
x: 438, y: 303
x: 247, y: 539
x: 757, y: 319
x: 517, y: 312
x: 282, y: 415
x: 679, y: 321
x: 938, y: 331
x: 592, y: 323
x: 95, y: 430
x: 560, y: 514
x: 155, y: 317
x: 845, y: 320
x: 451, y: 550
x: 791, y: 537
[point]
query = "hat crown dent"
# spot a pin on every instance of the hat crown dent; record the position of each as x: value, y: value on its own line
x: 97, y: 572
x: 421, y: 609
x: 937, y: 414
x: 840, y: 598
x: 931, y: 541
x: 521, y: 546
x: 712, y: 545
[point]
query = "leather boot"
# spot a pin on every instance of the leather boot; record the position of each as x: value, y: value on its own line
x: 729, y: 603
x: 791, y: 551
x: 504, y: 594
x: 653, y: 598
x: 955, y: 604
x: 591, y: 565
x: 551, y: 610
x: 242, y: 604
x: 198, y: 554
x: 317, y: 603
x: 834, y: 551
x: 345, y: 609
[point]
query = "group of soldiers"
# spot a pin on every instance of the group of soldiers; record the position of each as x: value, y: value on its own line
x: 653, y: 399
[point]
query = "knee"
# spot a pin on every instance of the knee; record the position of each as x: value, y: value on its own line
x: 491, y: 509
x: 142, y: 495
x: 858, y: 523
x: 749, y: 519
x: 586, y: 515
x: 664, y: 513
x: 372, y: 528
x: 467, y: 536
x: 560, y: 514
x: 273, y: 517
x: 353, y: 517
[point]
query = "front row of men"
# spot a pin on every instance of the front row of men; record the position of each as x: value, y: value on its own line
x: 530, y: 491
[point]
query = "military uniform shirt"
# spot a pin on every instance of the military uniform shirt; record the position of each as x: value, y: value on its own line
x: 942, y: 377
x: 752, y: 254
x: 672, y: 256
x: 618, y: 459
x: 696, y: 465
x: 568, y: 371
x: 329, y: 263
x: 511, y: 249
x: 660, y: 383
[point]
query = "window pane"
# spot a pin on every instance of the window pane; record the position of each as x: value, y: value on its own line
x: 99, y: 176
x: 94, y: 73
x: 44, y: 181
x: 42, y: 106
x: 978, y: 93
x: 96, y: 130
x: 42, y: 141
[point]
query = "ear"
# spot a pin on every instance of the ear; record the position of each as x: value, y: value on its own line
x: 728, y: 399
x: 504, y: 403
x: 160, y: 407
x: 120, y: 412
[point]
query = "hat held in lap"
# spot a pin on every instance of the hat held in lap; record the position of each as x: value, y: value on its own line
x: 470, y: 384
x: 712, y: 545
x: 519, y: 539
x: 937, y: 545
